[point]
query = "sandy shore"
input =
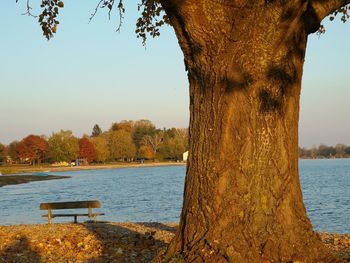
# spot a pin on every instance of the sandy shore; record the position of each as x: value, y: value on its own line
x: 31, y: 169
x: 104, y: 242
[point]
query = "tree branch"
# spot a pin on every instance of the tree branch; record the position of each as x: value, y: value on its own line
x: 324, y: 8
x: 110, y: 4
x: 29, y: 8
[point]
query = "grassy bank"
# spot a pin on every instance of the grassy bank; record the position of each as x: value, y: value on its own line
x: 16, y: 169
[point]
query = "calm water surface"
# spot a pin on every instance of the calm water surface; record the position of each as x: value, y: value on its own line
x: 155, y: 194
x: 326, y: 192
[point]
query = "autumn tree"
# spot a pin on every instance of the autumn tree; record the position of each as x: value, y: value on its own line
x: 63, y: 146
x: 123, y: 125
x: 121, y: 146
x: 87, y: 150
x: 142, y: 128
x: 32, y: 148
x: 326, y: 151
x: 146, y: 152
x: 340, y: 150
x: 11, y: 151
x: 175, y: 143
x: 96, y: 131
x: 242, y: 199
x: 314, y: 152
x: 347, y: 150
x: 101, y: 146
x: 304, y: 153
x: 2, y: 153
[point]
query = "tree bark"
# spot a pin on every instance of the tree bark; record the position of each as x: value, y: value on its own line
x: 323, y: 8
x: 242, y: 199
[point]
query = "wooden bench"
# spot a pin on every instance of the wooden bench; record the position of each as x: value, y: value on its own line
x: 71, y: 205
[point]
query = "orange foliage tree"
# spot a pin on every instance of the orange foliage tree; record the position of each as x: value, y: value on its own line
x: 87, y: 150
x: 146, y: 152
x: 32, y: 148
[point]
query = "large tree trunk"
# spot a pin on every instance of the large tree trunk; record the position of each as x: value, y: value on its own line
x: 242, y: 200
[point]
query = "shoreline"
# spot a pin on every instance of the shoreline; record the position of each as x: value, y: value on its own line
x: 16, y: 170
x: 24, y: 175
x: 19, y: 169
x: 23, y: 179
x: 106, y: 242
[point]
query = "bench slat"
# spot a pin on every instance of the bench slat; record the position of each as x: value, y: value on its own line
x: 70, y: 205
x: 63, y: 215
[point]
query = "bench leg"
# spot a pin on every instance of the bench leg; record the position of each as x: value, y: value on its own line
x: 49, y: 216
x: 75, y: 220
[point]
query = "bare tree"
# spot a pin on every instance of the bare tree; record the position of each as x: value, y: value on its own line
x: 154, y: 142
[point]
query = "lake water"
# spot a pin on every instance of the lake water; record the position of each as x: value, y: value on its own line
x: 155, y: 194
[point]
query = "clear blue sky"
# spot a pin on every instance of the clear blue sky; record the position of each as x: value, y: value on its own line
x: 89, y: 74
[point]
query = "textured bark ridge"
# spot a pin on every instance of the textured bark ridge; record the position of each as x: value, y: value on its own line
x: 242, y: 200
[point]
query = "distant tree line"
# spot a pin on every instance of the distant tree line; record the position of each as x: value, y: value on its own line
x: 325, y: 151
x: 125, y: 141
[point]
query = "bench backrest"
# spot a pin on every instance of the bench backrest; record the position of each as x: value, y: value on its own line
x: 70, y: 205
